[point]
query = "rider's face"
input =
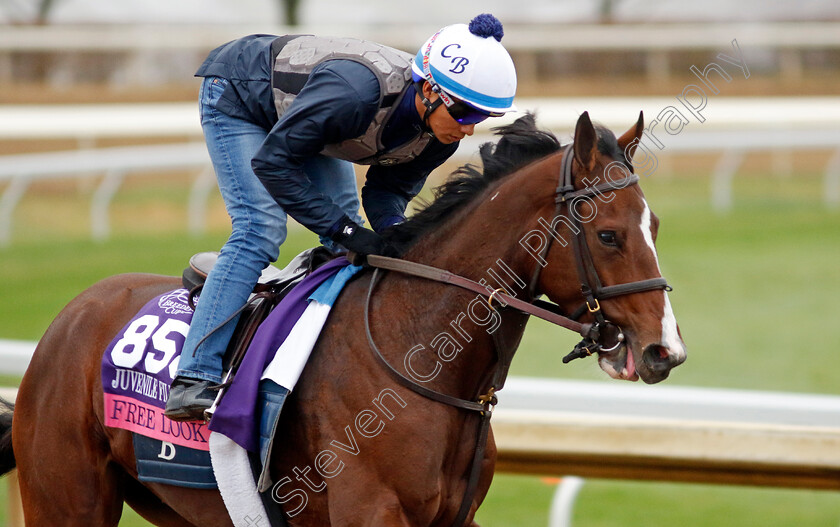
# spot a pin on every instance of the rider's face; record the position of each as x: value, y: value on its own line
x: 446, y: 129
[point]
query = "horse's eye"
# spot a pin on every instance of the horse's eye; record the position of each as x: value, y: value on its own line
x: 608, y: 238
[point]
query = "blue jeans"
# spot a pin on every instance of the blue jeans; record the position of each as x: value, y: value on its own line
x: 258, y: 227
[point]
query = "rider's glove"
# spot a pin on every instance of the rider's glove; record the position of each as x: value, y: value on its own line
x: 359, y: 240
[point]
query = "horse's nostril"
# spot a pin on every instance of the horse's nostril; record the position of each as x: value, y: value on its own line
x: 657, y: 356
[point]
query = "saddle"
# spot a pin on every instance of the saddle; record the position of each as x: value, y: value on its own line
x: 272, y: 286
x: 301, y: 265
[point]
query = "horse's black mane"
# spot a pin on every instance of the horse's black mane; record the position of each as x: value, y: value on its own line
x: 520, y: 143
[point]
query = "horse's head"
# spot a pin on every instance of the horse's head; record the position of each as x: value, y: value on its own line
x: 591, y: 231
x: 603, y: 227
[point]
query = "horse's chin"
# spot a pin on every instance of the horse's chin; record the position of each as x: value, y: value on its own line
x: 619, y: 363
x: 622, y: 364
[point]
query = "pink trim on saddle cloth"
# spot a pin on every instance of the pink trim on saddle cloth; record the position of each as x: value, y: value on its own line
x: 147, y: 420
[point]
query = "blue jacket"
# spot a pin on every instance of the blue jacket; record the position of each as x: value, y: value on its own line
x: 338, y: 102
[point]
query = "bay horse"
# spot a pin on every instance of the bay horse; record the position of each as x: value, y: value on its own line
x: 394, y: 457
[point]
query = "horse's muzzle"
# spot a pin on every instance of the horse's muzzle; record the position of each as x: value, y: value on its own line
x: 657, y: 362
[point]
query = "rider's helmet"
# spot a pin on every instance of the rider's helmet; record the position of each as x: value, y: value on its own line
x: 470, y: 70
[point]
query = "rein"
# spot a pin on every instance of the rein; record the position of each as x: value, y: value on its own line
x: 540, y: 309
x: 591, y: 288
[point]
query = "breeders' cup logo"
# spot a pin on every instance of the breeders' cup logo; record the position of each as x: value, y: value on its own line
x: 175, y: 303
x: 459, y: 64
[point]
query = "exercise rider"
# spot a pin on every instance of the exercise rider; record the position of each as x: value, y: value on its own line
x: 286, y: 117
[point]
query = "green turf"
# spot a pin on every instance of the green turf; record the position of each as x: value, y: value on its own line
x: 663, y: 505
x: 523, y: 500
x: 4, y: 499
x: 755, y: 293
x: 9, y: 380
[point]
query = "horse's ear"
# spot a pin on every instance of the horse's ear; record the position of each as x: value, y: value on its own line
x: 586, y: 142
x: 630, y: 140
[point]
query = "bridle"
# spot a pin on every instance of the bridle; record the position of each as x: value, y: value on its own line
x: 594, y: 334
x: 591, y: 288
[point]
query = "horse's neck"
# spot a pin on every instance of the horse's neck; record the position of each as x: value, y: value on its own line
x: 482, y: 245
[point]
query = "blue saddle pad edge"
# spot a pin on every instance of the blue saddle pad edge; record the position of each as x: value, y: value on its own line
x: 191, y: 468
x: 187, y: 467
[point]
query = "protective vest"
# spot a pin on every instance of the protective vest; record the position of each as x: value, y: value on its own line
x: 295, y: 56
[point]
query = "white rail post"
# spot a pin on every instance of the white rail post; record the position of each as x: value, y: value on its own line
x: 14, y: 192
x: 563, y: 503
x: 200, y: 192
x: 832, y: 182
x: 100, y: 227
x: 722, y: 180
x: 658, y: 66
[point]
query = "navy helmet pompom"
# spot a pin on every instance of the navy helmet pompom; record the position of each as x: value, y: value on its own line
x: 486, y: 25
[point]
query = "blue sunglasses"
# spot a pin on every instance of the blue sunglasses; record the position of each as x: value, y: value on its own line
x: 463, y: 113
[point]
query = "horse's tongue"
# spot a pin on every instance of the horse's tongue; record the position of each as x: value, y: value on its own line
x: 630, y: 366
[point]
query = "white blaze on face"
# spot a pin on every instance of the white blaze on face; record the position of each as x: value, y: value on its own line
x: 670, y: 336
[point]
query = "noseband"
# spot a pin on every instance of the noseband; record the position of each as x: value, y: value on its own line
x: 591, y: 288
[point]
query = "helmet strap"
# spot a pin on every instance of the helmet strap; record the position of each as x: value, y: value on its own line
x: 430, y: 107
